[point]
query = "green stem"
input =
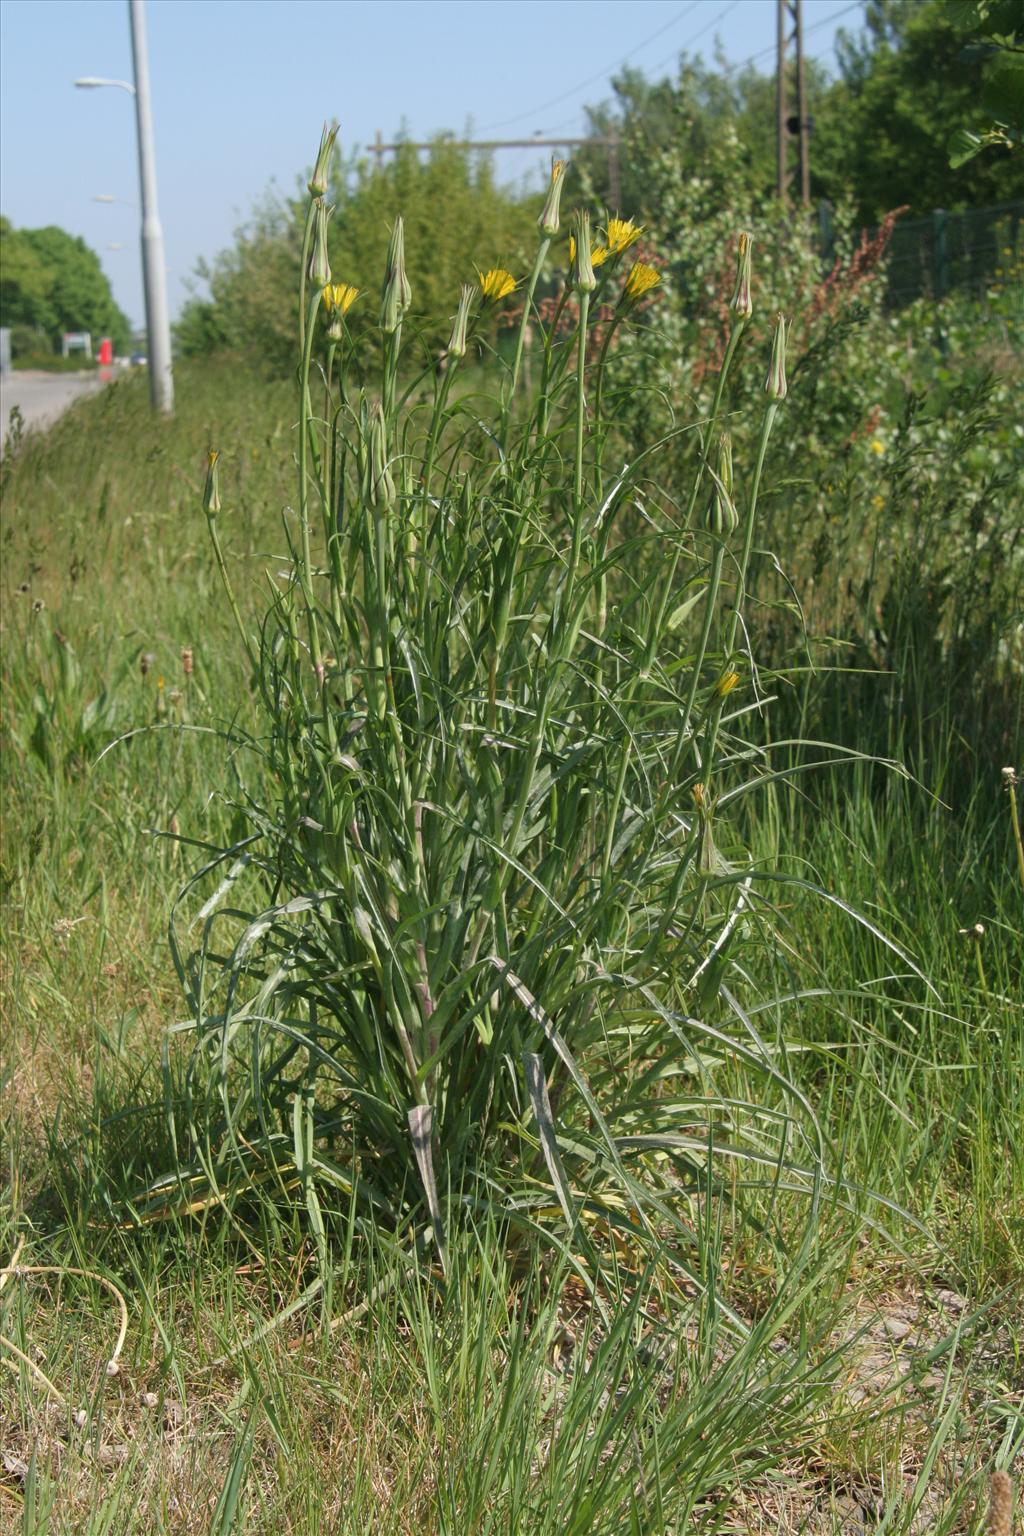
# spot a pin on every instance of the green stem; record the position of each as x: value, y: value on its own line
x: 306, y: 574
x: 577, y: 477
x: 211, y: 523
x: 729, y: 646
x: 1015, y: 823
x: 524, y: 322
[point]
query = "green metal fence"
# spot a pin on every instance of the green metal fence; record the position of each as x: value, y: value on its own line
x: 945, y: 252
x: 966, y: 251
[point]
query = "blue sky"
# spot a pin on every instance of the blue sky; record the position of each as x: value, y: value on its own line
x: 241, y: 87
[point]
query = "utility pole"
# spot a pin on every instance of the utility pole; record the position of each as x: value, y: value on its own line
x: 792, y: 120
x: 154, y: 271
x: 611, y: 143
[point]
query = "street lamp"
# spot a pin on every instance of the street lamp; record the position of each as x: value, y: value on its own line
x: 158, y: 330
x: 90, y: 82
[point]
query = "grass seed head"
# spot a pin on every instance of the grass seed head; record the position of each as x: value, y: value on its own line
x: 1000, y: 1505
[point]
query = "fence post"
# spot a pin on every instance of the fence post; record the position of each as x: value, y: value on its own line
x: 826, y: 232
x: 940, y: 252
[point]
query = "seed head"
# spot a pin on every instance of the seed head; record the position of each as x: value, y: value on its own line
x: 1000, y: 1505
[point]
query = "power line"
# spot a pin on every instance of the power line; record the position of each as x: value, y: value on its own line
x: 602, y: 74
x: 675, y: 52
x: 854, y: 5
x: 730, y: 69
x: 690, y: 40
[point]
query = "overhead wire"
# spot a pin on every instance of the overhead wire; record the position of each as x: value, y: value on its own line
x: 731, y: 69
x: 602, y: 74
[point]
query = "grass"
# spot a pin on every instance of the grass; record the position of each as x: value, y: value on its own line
x: 256, y: 1390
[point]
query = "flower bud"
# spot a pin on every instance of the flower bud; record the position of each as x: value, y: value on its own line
x: 457, y: 342
x: 775, y: 383
x: 742, y: 305
x: 397, y: 294
x: 211, y: 492
x: 317, y: 183
x: 722, y: 518
x: 583, y: 279
x: 382, y: 486
x: 726, y: 683
x: 319, y: 272
x: 549, y: 220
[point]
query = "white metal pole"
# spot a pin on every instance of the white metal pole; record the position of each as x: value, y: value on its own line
x: 154, y: 272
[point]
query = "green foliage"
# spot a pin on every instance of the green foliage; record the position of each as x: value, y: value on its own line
x: 905, y: 86
x: 459, y: 221
x: 501, y: 1384
x: 52, y: 282
x: 995, y: 30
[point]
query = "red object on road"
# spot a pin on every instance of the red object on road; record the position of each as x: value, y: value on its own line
x: 105, y: 355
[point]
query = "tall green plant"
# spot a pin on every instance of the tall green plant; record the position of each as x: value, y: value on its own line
x: 481, y: 945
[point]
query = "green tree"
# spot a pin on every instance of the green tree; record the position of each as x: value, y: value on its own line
x: 907, y: 83
x: 52, y: 282
x: 24, y: 282
x: 457, y: 220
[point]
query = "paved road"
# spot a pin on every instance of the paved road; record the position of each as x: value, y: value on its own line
x: 42, y: 397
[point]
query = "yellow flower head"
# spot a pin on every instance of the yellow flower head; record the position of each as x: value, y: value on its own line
x: 598, y: 253
x: 622, y: 233
x: 496, y: 284
x: 726, y: 683
x: 878, y: 502
x: 877, y: 446
x: 339, y: 297
x: 641, y: 279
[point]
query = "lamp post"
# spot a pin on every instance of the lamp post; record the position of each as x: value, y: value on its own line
x: 154, y: 273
